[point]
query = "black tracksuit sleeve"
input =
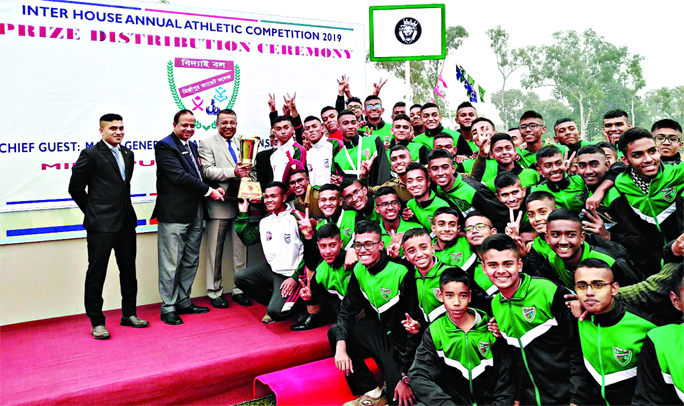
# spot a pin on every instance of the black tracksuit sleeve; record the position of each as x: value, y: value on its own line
x: 272, y: 117
x: 579, y: 376
x: 409, y: 302
x: 380, y: 168
x: 614, y: 170
x: 669, y: 256
x: 312, y: 256
x: 462, y: 147
x: 626, y: 273
x: 339, y: 103
x: 425, y: 370
x: 651, y: 388
x: 352, y: 304
x: 479, y: 167
x: 422, y: 155
x: 504, y: 362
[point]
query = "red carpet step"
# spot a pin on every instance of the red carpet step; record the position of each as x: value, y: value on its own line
x: 212, y: 358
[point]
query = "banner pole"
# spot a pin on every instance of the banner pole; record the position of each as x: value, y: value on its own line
x: 407, y: 79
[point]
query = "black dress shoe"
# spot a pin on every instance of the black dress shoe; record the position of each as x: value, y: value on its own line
x: 242, y: 300
x: 219, y: 303
x: 192, y: 309
x: 171, y: 319
x: 134, y: 321
x: 310, y: 322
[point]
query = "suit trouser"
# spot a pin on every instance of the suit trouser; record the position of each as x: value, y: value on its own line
x: 100, y: 247
x: 217, y: 230
x: 368, y: 338
x: 178, y: 246
x: 263, y: 285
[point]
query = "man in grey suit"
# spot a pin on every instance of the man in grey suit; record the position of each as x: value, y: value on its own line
x: 219, y: 156
x: 180, y: 211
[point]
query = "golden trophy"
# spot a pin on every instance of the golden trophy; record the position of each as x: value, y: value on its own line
x: 248, y: 146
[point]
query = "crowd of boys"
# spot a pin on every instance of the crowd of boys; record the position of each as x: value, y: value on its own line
x: 474, y: 266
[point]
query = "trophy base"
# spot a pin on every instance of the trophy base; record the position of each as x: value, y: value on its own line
x: 249, y: 189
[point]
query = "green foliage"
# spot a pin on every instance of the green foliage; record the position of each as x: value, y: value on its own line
x: 425, y: 73
x: 519, y: 102
x: 585, y: 71
x: 507, y: 61
x: 666, y: 102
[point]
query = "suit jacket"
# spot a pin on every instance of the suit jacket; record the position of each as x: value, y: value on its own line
x: 106, y: 203
x: 180, y: 189
x: 218, y: 165
x: 262, y: 170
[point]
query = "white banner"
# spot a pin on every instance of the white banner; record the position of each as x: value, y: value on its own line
x: 407, y: 32
x: 66, y: 63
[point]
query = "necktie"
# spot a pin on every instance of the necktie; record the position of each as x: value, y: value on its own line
x: 232, y: 152
x: 192, y: 158
x: 119, y: 162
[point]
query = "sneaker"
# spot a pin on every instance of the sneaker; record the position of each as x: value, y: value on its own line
x: 267, y: 319
x: 365, y: 400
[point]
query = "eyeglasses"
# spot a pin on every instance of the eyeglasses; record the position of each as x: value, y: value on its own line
x: 354, y: 107
x: 374, y: 106
x: 594, y: 285
x: 368, y: 245
x: 532, y: 126
x: 673, y: 139
x: 353, y: 195
x: 385, y: 205
x: 478, y: 227
x: 297, y: 181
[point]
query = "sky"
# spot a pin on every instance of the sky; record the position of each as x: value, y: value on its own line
x: 641, y: 26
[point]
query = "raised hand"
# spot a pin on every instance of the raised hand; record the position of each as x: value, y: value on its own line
x: 513, y: 227
x: 378, y: 86
x: 271, y: 102
x: 305, y: 225
x: 568, y: 161
x: 410, y: 325
x: 594, y: 224
x: 290, y: 103
x: 342, y: 85
x: 305, y: 291
x: 575, y: 307
x: 366, y: 165
x: 406, y: 214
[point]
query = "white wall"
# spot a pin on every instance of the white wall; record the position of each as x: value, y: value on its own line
x: 46, y: 279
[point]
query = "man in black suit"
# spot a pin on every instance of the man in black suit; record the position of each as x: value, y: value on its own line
x: 105, y: 169
x: 180, y: 212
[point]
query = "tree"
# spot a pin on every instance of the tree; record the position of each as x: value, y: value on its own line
x: 507, y: 61
x: 633, y: 77
x: 520, y: 102
x: 666, y: 102
x: 578, y: 67
x: 425, y: 73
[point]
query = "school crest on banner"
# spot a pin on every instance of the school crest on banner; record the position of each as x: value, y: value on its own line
x: 203, y: 86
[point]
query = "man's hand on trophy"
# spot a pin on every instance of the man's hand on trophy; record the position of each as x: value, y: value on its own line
x: 242, y: 170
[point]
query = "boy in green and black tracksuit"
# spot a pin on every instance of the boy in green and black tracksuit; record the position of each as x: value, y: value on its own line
x: 570, y: 193
x: 535, y: 321
x: 330, y: 280
x: 660, y: 378
x: 425, y: 211
x: 611, y: 344
x: 346, y: 221
x: 459, y: 361
x: 653, y: 208
x: 389, y: 288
